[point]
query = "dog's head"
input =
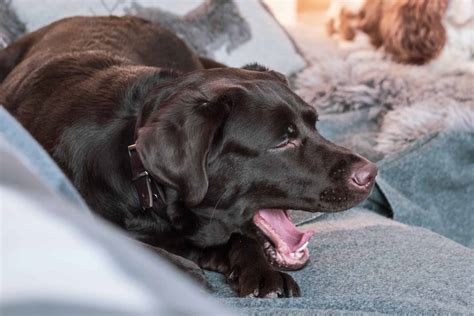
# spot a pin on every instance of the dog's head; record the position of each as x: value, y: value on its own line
x: 237, y: 148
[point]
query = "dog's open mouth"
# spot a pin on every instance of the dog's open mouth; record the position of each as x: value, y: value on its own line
x: 287, y: 245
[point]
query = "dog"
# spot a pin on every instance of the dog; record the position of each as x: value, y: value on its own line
x: 190, y: 157
x: 343, y: 17
x: 410, y: 31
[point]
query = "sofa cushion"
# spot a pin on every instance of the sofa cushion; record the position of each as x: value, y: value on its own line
x: 232, y: 32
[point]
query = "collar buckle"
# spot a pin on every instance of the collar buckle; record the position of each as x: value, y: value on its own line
x: 141, y: 179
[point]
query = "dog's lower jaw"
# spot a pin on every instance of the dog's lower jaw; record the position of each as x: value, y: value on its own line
x: 276, y: 259
x: 285, y: 245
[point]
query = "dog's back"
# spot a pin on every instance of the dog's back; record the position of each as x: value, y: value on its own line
x: 77, y: 67
x: 137, y: 40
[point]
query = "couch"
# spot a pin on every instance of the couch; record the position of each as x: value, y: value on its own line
x: 407, y: 249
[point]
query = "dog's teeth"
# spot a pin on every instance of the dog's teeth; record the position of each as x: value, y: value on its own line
x: 300, y: 249
x: 297, y: 255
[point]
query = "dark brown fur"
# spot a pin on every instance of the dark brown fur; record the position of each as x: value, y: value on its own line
x: 82, y: 85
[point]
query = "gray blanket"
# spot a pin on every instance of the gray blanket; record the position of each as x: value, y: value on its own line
x: 428, y: 184
x: 431, y: 185
x: 361, y: 261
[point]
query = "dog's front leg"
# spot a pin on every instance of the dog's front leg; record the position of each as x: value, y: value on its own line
x: 247, y: 270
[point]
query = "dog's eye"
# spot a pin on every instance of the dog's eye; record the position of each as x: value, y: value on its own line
x: 290, y: 134
x: 291, y: 131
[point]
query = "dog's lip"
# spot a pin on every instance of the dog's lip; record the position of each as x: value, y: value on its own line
x: 288, y: 248
x: 362, y: 189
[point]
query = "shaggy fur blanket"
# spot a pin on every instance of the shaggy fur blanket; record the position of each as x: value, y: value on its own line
x: 402, y: 103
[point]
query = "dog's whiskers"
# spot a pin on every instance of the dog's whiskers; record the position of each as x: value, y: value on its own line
x: 215, y: 207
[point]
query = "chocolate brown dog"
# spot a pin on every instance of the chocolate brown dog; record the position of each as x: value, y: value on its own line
x: 203, y: 163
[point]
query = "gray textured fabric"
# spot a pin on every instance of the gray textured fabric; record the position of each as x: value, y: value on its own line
x: 10, y: 25
x: 364, y: 262
x: 432, y: 185
x: 212, y: 26
x: 38, y: 159
x: 429, y: 184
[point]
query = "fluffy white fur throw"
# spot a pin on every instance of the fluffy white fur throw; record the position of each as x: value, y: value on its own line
x: 413, y: 101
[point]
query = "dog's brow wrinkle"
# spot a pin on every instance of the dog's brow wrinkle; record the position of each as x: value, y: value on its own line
x: 235, y: 148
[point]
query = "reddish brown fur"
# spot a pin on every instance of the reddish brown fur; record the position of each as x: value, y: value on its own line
x: 348, y: 21
x: 347, y: 26
x: 411, y: 31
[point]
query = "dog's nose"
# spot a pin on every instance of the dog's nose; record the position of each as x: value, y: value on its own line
x: 364, y: 175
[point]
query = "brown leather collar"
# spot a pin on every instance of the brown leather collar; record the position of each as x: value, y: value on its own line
x: 148, y: 190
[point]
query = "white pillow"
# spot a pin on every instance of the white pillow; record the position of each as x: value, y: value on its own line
x: 269, y: 44
x: 58, y: 260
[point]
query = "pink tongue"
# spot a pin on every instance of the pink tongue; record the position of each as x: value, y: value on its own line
x: 285, y: 229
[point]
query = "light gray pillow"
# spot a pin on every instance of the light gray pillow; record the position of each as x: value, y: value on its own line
x: 233, y: 32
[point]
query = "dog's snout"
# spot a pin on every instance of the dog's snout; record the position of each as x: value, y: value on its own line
x: 364, y: 176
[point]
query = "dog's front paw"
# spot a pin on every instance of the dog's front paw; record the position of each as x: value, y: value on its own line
x: 266, y: 283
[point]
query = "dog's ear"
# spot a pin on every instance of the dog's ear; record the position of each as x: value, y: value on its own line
x: 175, y: 142
x: 258, y: 67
